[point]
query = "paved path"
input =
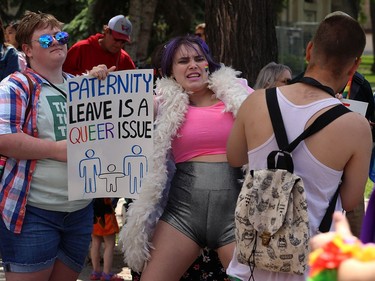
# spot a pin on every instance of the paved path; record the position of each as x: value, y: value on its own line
x: 118, y: 268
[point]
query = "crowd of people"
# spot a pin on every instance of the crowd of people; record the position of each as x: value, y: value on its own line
x: 209, y: 135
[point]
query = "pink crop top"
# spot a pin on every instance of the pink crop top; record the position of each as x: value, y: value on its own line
x: 204, y: 132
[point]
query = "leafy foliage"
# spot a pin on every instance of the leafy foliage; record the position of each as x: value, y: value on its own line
x: 79, y: 26
x: 369, y: 188
x: 92, y: 16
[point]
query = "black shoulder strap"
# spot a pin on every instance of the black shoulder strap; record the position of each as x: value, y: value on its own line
x: 313, y: 82
x: 282, y: 141
x: 319, y: 123
x: 29, y: 100
x: 326, y: 222
x: 279, y: 128
x: 276, y: 118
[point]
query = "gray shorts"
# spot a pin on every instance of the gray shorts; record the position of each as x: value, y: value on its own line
x: 202, y: 201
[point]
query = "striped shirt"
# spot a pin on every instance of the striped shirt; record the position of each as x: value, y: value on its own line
x: 16, y: 180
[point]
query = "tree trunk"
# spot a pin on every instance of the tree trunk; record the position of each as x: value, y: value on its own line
x: 241, y: 34
x: 141, y: 15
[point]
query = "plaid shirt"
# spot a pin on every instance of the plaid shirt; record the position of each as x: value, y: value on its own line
x: 15, y: 183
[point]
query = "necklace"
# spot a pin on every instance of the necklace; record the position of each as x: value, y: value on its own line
x: 55, y: 87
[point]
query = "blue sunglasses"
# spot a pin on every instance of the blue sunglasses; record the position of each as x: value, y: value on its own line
x: 46, y: 40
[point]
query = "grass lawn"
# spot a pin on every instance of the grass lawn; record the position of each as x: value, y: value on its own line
x: 365, y: 69
x: 369, y: 187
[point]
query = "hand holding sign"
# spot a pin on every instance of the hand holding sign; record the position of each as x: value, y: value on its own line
x: 101, y: 71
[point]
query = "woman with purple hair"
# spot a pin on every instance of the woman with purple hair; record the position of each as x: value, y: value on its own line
x: 183, y: 209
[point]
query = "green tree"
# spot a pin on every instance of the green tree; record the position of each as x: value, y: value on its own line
x: 92, y: 15
x: 63, y: 10
x: 154, y: 21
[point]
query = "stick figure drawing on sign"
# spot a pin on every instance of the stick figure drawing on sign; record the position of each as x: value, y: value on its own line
x: 111, y: 178
x: 136, y: 167
x: 89, y: 169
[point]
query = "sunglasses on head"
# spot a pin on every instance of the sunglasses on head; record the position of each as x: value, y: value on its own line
x: 46, y: 40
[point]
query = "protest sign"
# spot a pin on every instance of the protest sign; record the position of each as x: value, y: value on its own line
x: 109, y: 134
x: 356, y: 106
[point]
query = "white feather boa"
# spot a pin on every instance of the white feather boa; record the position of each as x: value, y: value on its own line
x: 144, y: 213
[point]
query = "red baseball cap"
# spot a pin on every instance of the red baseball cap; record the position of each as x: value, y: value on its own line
x: 121, y: 27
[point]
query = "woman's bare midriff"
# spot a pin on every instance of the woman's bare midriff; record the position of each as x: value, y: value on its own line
x: 210, y: 158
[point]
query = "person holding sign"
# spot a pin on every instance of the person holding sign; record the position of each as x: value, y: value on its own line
x: 197, y: 102
x: 43, y: 235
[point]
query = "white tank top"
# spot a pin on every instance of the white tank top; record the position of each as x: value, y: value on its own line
x: 320, y: 181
